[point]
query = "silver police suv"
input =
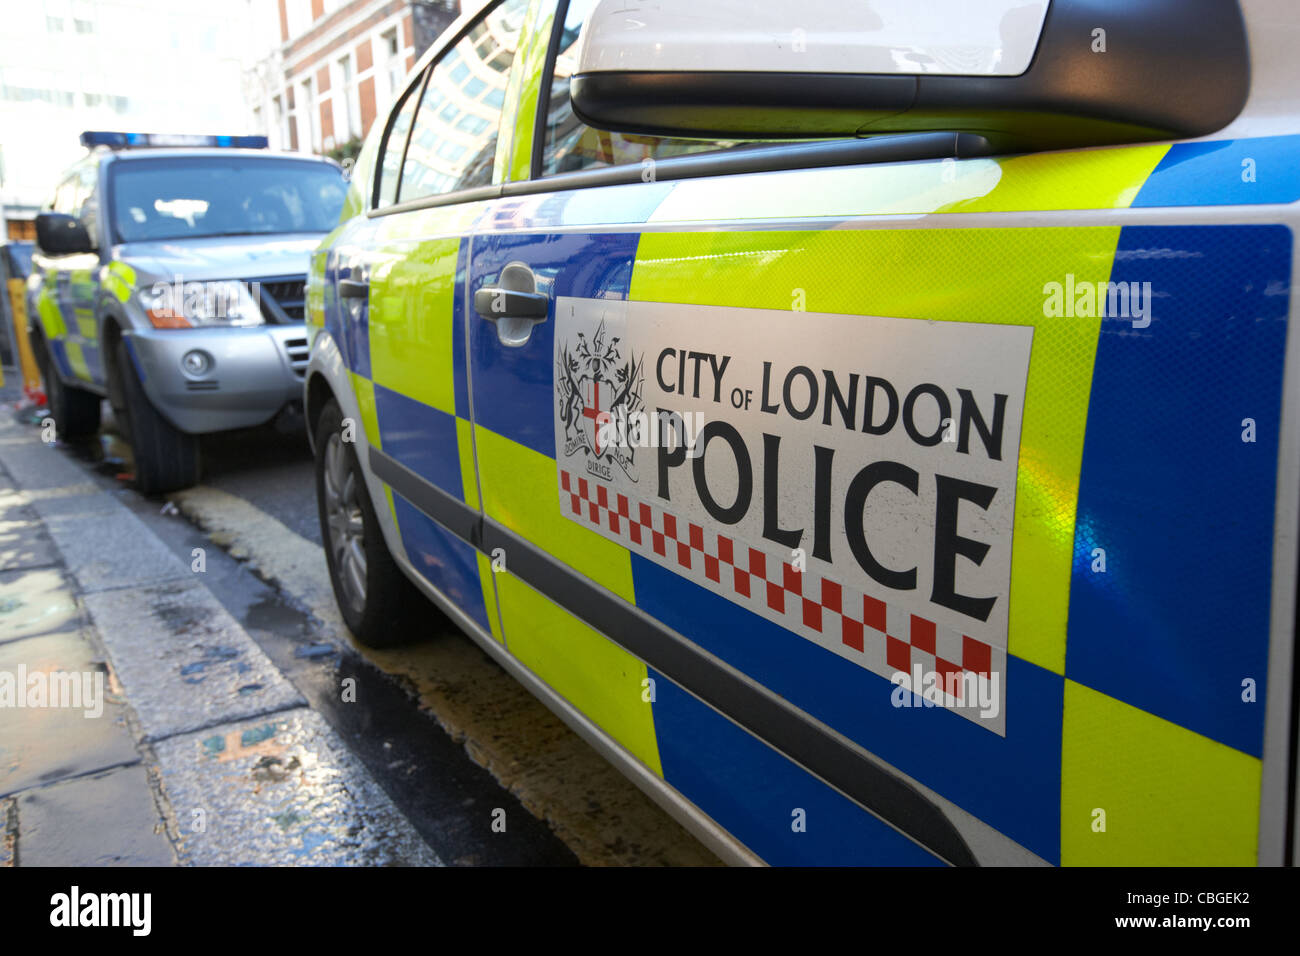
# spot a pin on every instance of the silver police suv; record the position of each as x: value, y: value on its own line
x: 170, y: 280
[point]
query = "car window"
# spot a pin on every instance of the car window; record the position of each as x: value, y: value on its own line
x: 454, y: 140
x: 86, y: 177
x: 86, y: 206
x: 390, y: 163
x: 189, y: 197
x: 571, y: 144
x: 65, y: 196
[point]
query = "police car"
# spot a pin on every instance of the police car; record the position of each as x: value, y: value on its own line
x: 169, y: 277
x: 872, y: 426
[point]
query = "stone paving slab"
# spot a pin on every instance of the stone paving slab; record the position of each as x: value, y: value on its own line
x: 42, y: 744
x: 113, y: 550
x: 232, y: 738
x: 34, y: 465
x: 24, y: 542
x: 183, y: 661
x: 14, y: 505
x: 74, y: 501
x: 105, y: 819
x: 282, y: 790
x: 35, y: 602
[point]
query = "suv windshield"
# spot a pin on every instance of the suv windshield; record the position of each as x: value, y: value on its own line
x: 191, y: 197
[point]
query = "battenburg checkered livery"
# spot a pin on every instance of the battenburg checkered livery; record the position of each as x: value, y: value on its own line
x: 947, y: 497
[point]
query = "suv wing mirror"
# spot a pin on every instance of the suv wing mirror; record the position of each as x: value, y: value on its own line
x: 59, y: 234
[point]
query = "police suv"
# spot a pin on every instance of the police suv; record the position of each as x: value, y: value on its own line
x: 872, y: 426
x: 169, y: 277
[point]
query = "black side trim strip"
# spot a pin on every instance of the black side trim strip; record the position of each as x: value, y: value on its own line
x: 1293, y: 747
x: 771, y: 157
x: 752, y: 706
x: 544, y: 93
x: 763, y: 158
x: 472, y: 194
x: 446, y: 509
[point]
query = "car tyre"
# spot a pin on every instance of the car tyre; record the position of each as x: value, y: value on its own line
x: 166, y: 458
x: 379, y: 604
x: 74, y: 410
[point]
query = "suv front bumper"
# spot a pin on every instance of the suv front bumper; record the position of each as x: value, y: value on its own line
x: 253, y: 374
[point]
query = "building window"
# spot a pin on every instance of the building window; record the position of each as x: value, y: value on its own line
x: 306, y: 119
x: 298, y: 15
x: 54, y: 24
x: 348, y: 94
x: 394, y: 68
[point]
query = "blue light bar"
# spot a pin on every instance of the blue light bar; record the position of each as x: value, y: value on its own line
x: 113, y: 140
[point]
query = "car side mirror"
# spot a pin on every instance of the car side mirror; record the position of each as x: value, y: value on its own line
x: 59, y: 234
x: 1024, y: 74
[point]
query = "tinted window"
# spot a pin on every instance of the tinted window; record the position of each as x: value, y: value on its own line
x: 571, y: 144
x: 454, y: 141
x: 188, y: 197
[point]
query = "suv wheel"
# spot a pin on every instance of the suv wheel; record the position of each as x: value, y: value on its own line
x: 166, y: 459
x: 379, y: 605
x: 74, y: 410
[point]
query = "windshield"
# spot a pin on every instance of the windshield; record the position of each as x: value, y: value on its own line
x: 191, y: 197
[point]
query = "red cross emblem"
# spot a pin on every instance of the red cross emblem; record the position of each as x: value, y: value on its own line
x: 592, y: 410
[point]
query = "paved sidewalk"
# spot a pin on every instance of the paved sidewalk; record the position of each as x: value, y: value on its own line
x: 182, y: 743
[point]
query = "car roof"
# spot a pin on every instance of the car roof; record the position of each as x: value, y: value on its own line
x: 192, y: 152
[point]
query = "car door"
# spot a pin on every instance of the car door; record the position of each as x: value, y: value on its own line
x: 84, y: 286
x: 78, y: 280
x: 929, y: 584
x: 397, y: 310
x: 65, y: 304
x: 576, y: 586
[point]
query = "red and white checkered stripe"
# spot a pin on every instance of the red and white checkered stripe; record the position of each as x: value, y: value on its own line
x: 879, y: 636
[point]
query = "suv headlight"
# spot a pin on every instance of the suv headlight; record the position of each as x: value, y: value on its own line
x: 186, y: 305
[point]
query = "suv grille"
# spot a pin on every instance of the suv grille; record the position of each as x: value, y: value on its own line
x: 289, y: 293
x: 298, y: 354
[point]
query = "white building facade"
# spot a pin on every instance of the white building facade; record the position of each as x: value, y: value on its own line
x: 167, y: 66
x: 329, y: 67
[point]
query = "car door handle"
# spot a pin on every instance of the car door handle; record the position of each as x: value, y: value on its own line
x: 493, y: 302
x: 514, y: 305
x: 352, y: 289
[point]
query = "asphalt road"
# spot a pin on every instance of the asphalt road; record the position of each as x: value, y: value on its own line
x: 270, y: 468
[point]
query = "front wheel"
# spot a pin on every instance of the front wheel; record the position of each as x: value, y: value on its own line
x: 166, y: 458
x: 379, y: 605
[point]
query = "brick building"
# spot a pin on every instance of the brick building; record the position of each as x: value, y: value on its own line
x: 331, y: 66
